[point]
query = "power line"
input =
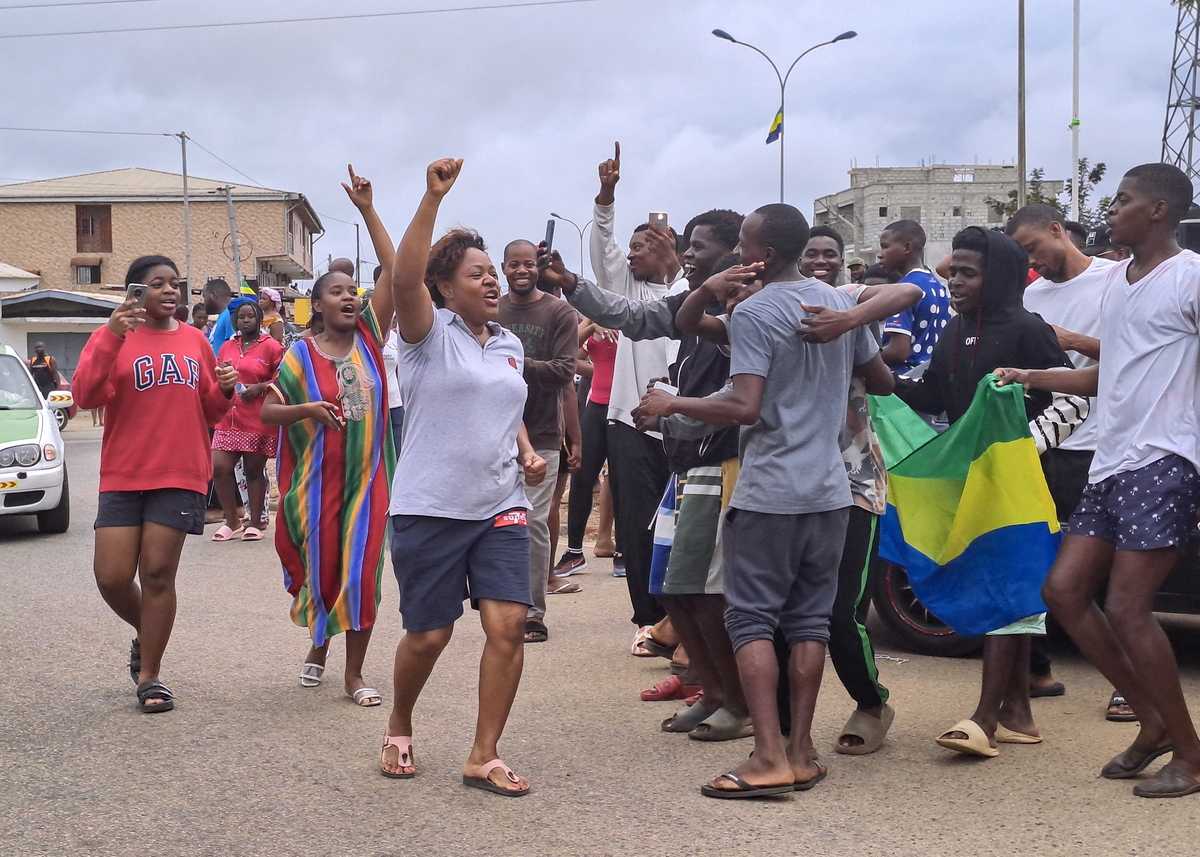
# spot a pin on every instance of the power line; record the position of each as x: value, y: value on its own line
x: 165, y: 27
x: 226, y: 163
x: 78, y: 131
x: 60, y: 5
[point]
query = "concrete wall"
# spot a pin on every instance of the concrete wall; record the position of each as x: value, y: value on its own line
x: 41, y: 236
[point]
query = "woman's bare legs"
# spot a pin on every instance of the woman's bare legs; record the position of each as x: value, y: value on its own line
x: 226, y: 485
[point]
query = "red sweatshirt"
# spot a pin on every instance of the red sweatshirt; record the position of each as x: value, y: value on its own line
x: 160, y: 392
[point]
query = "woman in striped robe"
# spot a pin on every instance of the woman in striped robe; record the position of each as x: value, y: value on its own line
x: 335, y: 464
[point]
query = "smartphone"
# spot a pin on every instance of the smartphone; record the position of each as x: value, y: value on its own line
x: 137, y: 293
x: 666, y: 388
x: 658, y: 220
x: 549, y: 235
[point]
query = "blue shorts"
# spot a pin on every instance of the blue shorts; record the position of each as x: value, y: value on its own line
x: 441, y: 562
x: 1144, y: 509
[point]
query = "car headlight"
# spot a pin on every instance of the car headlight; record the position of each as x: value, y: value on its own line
x: 24, y: 456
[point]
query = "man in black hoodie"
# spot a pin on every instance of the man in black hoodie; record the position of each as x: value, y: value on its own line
x: 987, y: 278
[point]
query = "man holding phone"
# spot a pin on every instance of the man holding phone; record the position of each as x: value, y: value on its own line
x: 637, y: 464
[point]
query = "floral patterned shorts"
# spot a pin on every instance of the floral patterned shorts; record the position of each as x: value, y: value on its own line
x: 1144, y: 509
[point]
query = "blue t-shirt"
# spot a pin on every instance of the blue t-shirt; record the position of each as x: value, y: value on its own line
x: 221, y: 332
x: 923, y: 321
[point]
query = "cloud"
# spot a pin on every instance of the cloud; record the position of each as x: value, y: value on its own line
x: 533, y: 99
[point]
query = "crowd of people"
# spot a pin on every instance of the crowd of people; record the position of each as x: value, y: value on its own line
x: 716, y: 387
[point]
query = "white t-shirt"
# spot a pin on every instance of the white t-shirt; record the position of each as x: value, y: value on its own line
x: 1149, y: 379
x: 1074, y: 305
x: 390, y: 363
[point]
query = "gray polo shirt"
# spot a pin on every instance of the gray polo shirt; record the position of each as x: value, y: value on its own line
x: 462, y: 411
x: 792, y: 458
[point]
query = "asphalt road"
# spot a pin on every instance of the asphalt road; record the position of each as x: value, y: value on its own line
x: 251, y: 763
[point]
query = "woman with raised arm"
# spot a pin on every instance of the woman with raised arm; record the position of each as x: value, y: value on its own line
x: 458, y: 525
x: 335, y: 463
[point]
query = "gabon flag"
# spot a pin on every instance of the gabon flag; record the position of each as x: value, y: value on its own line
x: 776, y: 126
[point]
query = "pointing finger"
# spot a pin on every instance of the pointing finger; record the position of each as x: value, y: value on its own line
x: 617, y: 157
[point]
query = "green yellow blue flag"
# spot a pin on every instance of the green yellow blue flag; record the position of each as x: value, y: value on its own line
x: 776, y: 126
x: 969, y: 515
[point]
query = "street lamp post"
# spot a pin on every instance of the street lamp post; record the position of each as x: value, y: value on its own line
x: 578, y: 229
x: 783, y: 79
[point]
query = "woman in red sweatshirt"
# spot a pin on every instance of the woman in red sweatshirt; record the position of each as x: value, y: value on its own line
x: 162, y: 387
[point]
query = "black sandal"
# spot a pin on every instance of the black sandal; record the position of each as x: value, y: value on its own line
x: 1115, y: 700
x: 155, y: 690
x: 135, y: 659
x: 536, y: 632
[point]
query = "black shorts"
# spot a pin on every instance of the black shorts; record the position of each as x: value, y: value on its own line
x: 1144, y: 509
x: 441, y: 562
x: 176, y: 508
x: 1066, y: 473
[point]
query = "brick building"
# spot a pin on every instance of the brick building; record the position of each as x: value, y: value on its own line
x: 79, y: 233
x: 943, y: 198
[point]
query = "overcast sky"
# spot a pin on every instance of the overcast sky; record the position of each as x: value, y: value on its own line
x: 533, y: 98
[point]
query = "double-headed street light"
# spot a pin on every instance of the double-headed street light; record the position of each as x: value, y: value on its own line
x: 578, y: 229
x: 783, y: 79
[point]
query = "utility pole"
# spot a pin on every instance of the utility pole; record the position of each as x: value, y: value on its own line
x: 1075, y: 119
x: 233, y: 239
x: 187, y: 219
x: 357, y: 259
x: 1021, y: 190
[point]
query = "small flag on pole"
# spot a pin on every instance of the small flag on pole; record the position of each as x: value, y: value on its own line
x: 776, y: 127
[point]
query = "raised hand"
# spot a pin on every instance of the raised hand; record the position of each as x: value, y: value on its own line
x: 662, y: 248
x: 126, y: 317
x: 610, y: 174
x: 441, y: 175
x: 359, y: 190
x: 553, y: 271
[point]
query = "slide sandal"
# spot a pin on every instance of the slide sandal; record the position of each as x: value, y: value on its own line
x: 225, y: 534
x: 871, y: 730
x: 312, y: 674
x: 975, y: 744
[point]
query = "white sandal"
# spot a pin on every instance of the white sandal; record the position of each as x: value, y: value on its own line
x: 367, y: 697
x: 312, y: 674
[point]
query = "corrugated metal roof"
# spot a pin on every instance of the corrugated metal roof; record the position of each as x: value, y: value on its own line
x: 8, y: 272
x: 130, y: 182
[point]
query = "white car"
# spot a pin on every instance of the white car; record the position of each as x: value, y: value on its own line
x: 33, y: 457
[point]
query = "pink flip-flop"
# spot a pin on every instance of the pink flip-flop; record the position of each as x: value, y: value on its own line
x: 225, y: 534
x: 403, y: 744
x: 482, y: 782
x: 252, y: 534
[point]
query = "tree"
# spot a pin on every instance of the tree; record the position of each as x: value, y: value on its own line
x: 1088, y: 176
x: 1007, y: 207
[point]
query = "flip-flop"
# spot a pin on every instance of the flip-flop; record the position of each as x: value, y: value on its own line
x: 536, y: 632
x: 1004, y: 735
x: 670, y: 688
x: 482, y: 782
x: 403, y: 745
x: 154, y: 690
x: 660, y: 650
x: 312, y: 674
x: 1115, y: 700
x: 366, y: 697
x: 1133, y: 761
x: 135, y: 659
x: 225, y: 534
x: 975, y: 744
x: 744, y: 789
x: 872, y: 731
x: 721, y: 725
x: 1056, y: 689
x: 252, y: 534
x: 822, y: 773
x: 686, y: 721
x: 568, y: 588
x: 1167, y: 783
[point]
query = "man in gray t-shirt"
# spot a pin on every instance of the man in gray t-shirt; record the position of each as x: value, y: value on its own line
x: 786, y: 524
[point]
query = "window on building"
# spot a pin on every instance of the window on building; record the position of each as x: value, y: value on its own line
x: 958, y: 211
x: 883, y: 211
x: 291, y: 234
x: 93, y: 229
x: 87, y: 275
x: 910, y: 212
